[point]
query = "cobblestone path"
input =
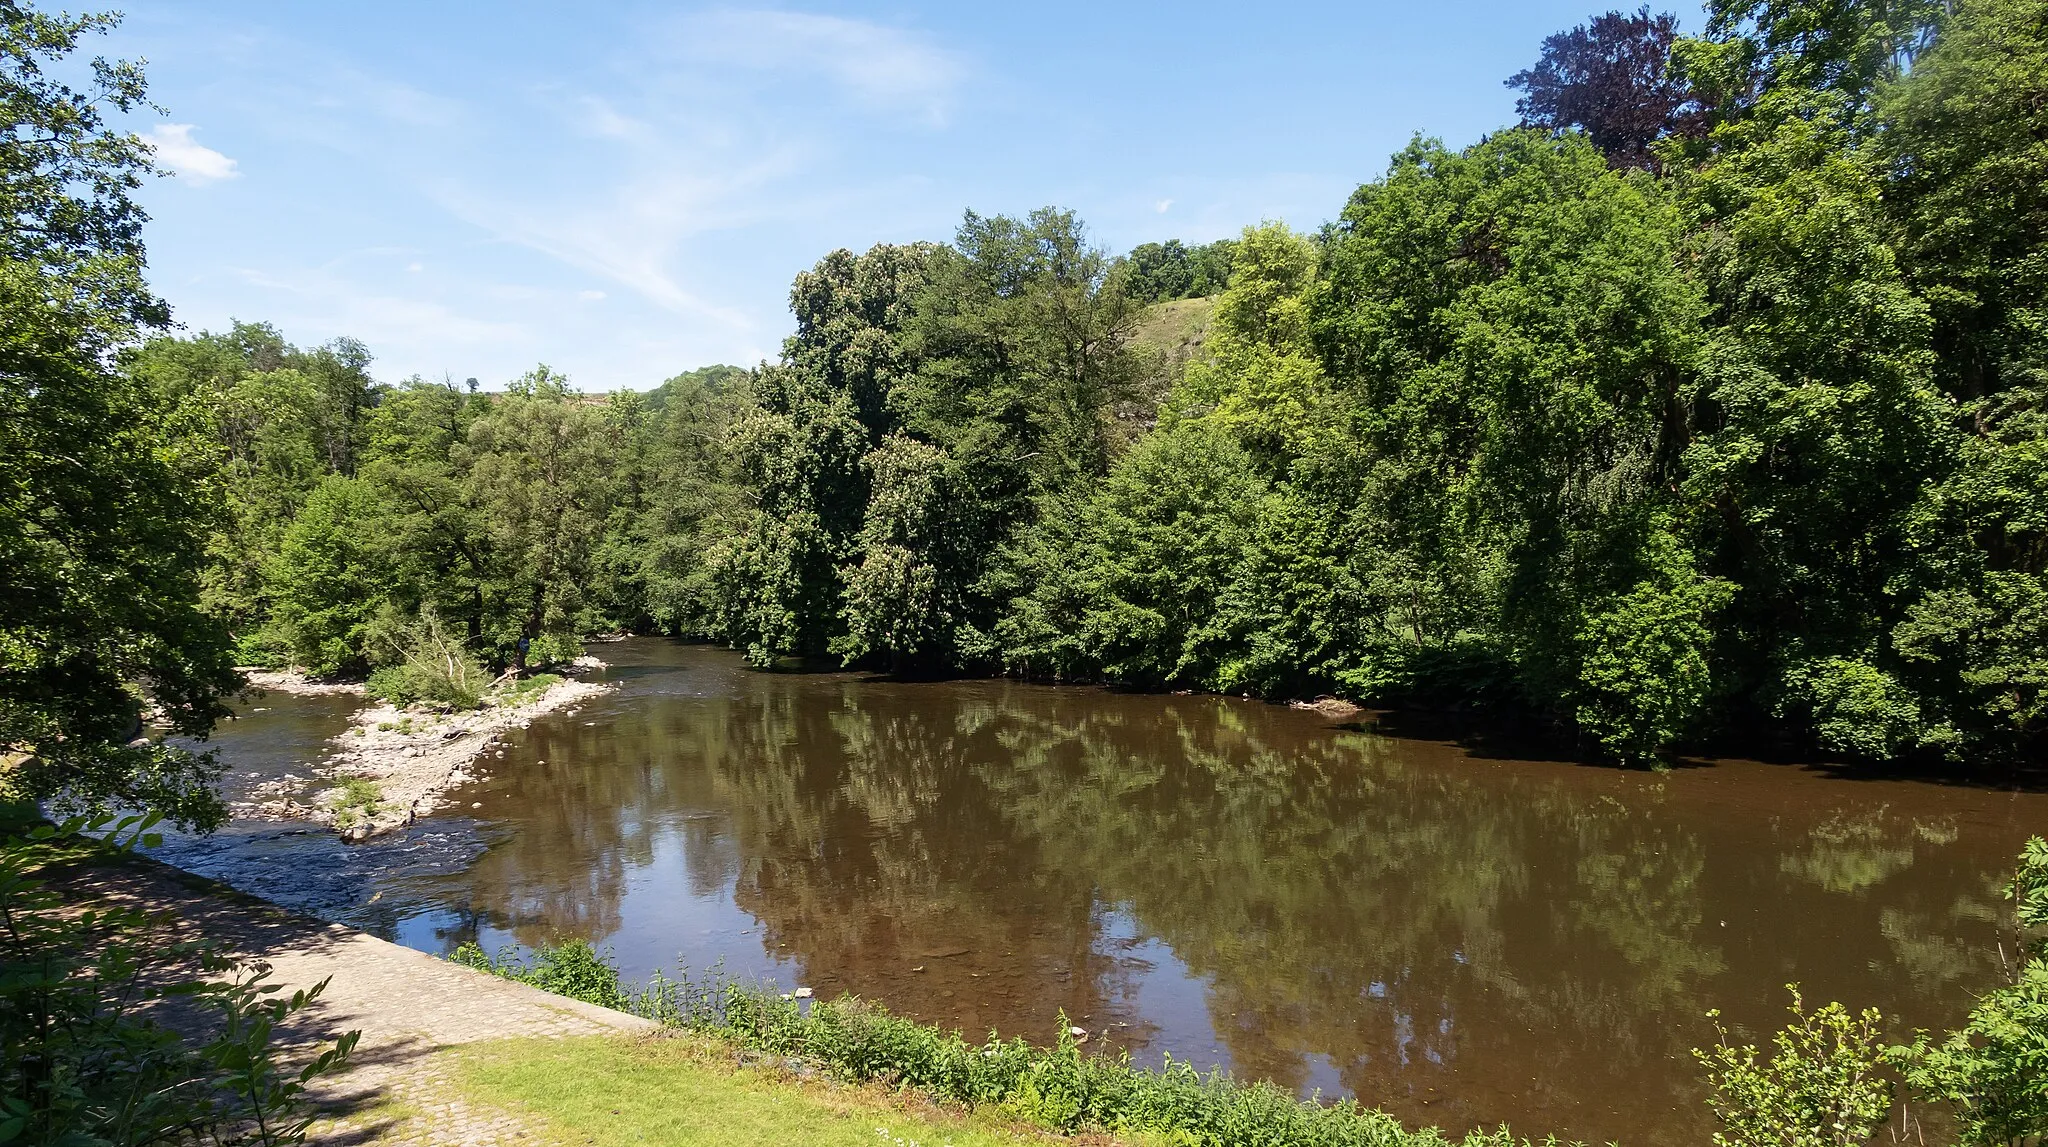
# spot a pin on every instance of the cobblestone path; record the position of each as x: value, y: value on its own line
x: 409, y: 1006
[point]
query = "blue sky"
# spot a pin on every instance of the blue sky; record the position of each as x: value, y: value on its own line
x: 624, y: 191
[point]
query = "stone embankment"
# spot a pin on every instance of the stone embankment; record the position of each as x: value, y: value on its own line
x: 410, y: 1007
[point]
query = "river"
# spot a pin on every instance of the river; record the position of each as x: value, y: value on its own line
x: 1458, y: 938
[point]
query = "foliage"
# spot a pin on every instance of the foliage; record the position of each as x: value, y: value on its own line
x: 1159, y: 272
x: 1993, y: 1072
x: 99, y: 612
x: 524, y: 689
x: 327, y: 578
x: 431, y: 665
x: 1823, y: 1085
x: 1610, y: 78
x: 572, y: 969
x: 83, y: 1056
x: 356, y: 799
x: 798, y: 451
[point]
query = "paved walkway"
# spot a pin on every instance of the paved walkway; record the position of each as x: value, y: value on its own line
x: 408, y: 1005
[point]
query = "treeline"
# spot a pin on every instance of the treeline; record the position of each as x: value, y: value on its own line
x: 349, y: 511
x: 1706, y: 404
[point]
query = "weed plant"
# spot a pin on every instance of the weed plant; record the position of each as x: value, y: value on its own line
x: 574, y: 969
x: 357, y: 799
x: 527, y: 689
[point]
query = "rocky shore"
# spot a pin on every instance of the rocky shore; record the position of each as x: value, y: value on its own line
x: 394, y: 764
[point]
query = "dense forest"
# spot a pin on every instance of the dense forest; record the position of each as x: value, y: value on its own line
x: 1706, y: 406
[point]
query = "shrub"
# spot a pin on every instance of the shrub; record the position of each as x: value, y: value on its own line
x: 1823, y: 1087
x: 554, y: 649
x: 1993, y: 1074
x: 527, y: 689
x: 431, y: 666
x: 573, y: 969
x: 356, y: 799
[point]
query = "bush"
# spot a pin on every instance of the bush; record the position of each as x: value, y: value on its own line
x: 1824, y: 1085
x: 356, y: 799
x: 554, y: 649
x: 432, y: 666
x: 574, y: 969
x: 81, y: 1059
x: 527, y: 689
x: 1993, y: 1074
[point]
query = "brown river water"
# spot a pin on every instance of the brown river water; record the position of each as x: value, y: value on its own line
x: 1460, y: 939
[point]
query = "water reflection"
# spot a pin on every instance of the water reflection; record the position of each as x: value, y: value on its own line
x: 1462, y: 941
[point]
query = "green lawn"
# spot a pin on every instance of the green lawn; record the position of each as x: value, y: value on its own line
x: 685, y: 1092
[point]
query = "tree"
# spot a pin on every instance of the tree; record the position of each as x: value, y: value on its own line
x: 329, y: 575
x: 1513, y: 333
x: 694, y: 499
x: 1842, y: 48
x: 542, y: 489
x: 1161, y: 272
x: 1611, y: 79
x: 1021, y: 343
x: 100, y: 528
x: 813, y: 417
x: 1969, y: 187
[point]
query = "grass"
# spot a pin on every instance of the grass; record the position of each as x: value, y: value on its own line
x: 357, y: 798
x: 1057, y: 1089
x: 527, y: 689
x: 689, y: 1092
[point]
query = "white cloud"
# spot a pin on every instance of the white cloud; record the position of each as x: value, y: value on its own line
x: 1162, y: 206
x: 176, y: 149
x: 590, y: 296
x: 342, y: 303
x: 884, y: 66
x: 629, y: 235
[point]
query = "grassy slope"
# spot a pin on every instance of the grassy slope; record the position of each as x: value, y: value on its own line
x: 685, y: 1092
x: 1171, y: 335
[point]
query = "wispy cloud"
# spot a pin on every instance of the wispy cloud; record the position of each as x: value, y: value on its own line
x: 630, y: 233
x: 176, y: 149
x: 652, y: 188
x: 884, y: 66
x: 342, y: 303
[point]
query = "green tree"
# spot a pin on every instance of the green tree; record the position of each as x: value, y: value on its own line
x: 693, y: 499
x: 1517, y: 341
x: 329, y: 577
x: 541, y: 483
x: 1020, y: 343
x: 798, y: 450
x: 99, y: 524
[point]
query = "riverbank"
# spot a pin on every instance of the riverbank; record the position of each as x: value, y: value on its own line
x: 395, y: 764
x: 453, y: 1056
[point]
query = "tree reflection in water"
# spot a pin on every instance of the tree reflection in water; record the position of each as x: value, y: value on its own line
x: 1460, y: 940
